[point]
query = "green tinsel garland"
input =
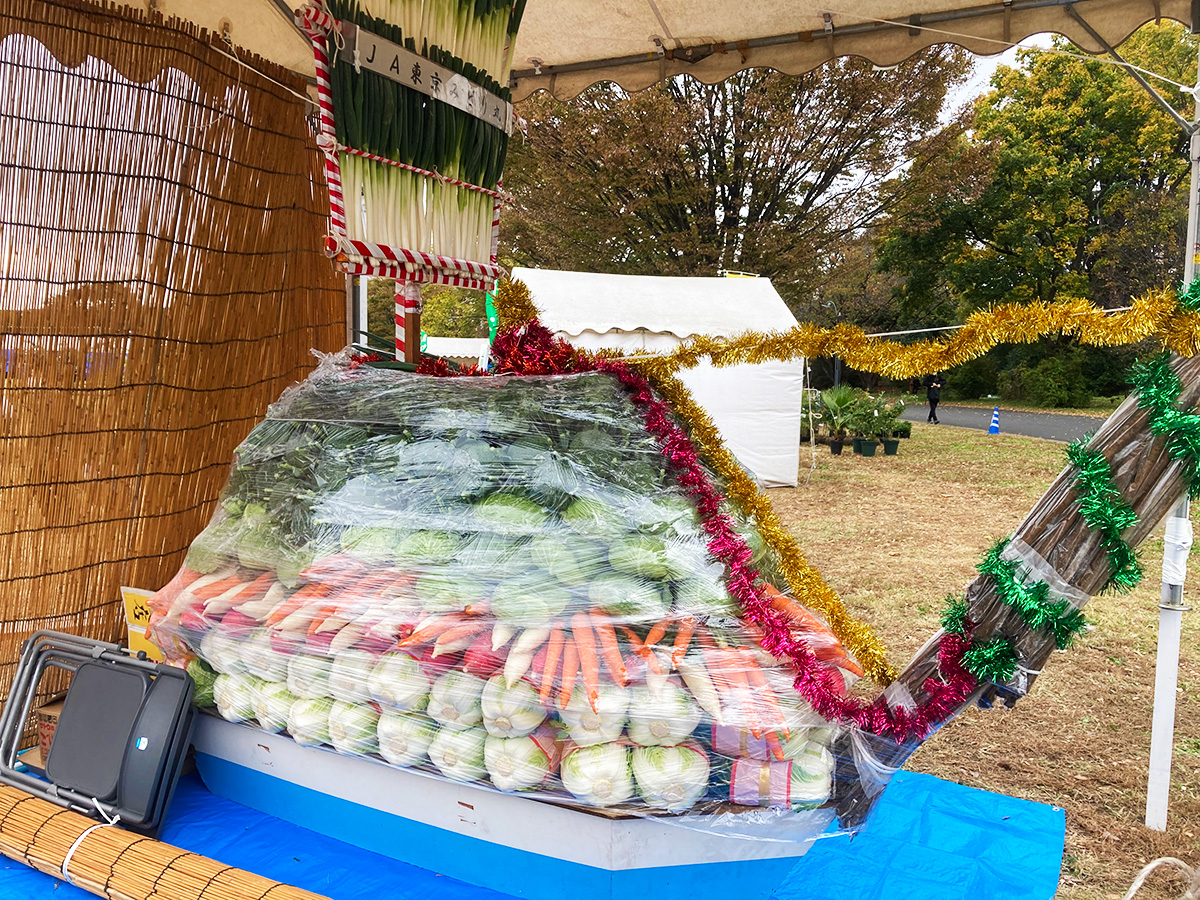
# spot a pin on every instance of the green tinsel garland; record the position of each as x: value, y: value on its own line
x: 1105, y: 510
x: 954, y: 619
x: 994, y: 661
x: 1158, y: 390
x: 1031, y: 601
x: 1189, y: 296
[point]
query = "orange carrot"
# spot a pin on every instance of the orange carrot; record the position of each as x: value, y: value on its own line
x: 322, y: 614
x: 216, y: 588
x: 553, y: 651
x: 655, y: 634
x: 589, y: 664
x: 741, y: 688
x: 431, y: 628
x: 186, y: 576
x: 479, y: 607
x: 459, y: 630
x: 569, y: 670
x: 773, y: 743
x: 607, y: 639
x: 761, y: 689
x: 683, y: 638
x: 306, y: 594
x: 646, y: 653
x: 830, y: 649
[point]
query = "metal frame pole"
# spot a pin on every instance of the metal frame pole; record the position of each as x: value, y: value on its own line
x: 1175, y: 553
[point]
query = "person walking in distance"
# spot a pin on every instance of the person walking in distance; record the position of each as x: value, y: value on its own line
x: 933, y: 391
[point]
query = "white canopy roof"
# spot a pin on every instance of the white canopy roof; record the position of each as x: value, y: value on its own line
x: 575, y: 302
x: 566, y: 45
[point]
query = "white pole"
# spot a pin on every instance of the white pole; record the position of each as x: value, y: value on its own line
x: 1175, y: 553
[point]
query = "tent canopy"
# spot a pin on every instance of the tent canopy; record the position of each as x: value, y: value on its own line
x: 579, y: 302
x: 757, y: 408
x: 566, y: 45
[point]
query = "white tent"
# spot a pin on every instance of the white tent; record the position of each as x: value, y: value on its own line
x: 755, y: 407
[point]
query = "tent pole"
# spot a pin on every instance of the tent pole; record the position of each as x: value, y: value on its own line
x: 1175, y: 553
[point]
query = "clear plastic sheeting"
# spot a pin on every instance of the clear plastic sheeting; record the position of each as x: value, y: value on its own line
x: 496, y: 580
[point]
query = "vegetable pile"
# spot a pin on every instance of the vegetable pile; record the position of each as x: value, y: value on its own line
x: 496, y: 579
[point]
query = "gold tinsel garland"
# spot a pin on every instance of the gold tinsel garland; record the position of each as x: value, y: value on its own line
x: 514, y: 304
x: 1155, y: 313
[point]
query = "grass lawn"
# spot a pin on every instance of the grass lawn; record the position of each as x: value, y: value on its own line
x: 895, y: 535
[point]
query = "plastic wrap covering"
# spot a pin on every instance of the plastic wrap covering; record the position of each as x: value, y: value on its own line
x: 497, y: 580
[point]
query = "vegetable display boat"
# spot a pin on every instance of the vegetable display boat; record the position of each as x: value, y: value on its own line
x: 523, y: 629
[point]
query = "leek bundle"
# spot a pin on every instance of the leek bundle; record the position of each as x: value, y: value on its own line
x: 391, y: 205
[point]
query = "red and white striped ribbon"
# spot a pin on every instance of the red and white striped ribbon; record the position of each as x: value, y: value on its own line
x: 321, y: 26
x: 374, y: 157
x: 401, y: 256
x: 420, y: 276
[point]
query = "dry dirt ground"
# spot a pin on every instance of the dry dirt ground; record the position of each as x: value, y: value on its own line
x: 894, y: 536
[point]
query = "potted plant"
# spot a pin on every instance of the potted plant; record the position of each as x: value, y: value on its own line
x: 836, y: 406
x: 889, y: 421
x: 865, y: 424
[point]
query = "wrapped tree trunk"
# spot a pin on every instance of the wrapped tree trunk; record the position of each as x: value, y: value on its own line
x: 1151, y: 483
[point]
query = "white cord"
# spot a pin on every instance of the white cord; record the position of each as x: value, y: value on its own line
x: 107, y: 823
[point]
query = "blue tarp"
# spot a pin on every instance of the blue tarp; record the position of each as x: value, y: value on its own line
x: 928, y: 839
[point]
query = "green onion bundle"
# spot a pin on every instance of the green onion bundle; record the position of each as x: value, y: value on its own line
x: 389, y: 205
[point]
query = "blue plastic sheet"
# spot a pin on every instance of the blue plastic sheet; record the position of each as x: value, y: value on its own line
x: 928, y: 839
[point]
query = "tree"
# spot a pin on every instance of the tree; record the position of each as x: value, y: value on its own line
x: 1072, y: 184
x: 448, y: 311
x: 762, y: 172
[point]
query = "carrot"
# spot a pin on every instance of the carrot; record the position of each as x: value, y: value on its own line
x: 741, y: 686
x: 215, y: 588
x: 306, y: 594
x: 773, y: 743
x: 569, y: 670
x: 589, y: 664
x: 186, y: 576
x: 607, y: 639
x: 322, y: 614
x: 763, y: 693
x: 635, y: 642
x: 683, y: 638
x: 431, y: 628
x: 655, y: 634
x: 831, y: 650
x: 553, y: 653
x: 457, y: 631
x: 479, y: 607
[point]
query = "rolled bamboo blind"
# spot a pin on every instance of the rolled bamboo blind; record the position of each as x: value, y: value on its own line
x: 162, y: 280
x: 118, y: 864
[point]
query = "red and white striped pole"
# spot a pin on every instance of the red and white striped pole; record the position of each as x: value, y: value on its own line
x: 408, y: 320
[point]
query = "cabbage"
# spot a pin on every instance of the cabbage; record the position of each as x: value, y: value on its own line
x: 204, y: 677
x: 704, y: 598
x: 273, y: 705
x: 426, y: 547
x: 398, y: 682
x: 404, y: 738
x: 494, y: 555
x: 263, y: 660
x: 235, y: 696
x: 454, y: 700
x: 510, y: 712
x: 369, y: 543
x: 308, y: 721
x: 352, y: 728
x: 572, y: 560
x: 630, y: 599
x: 308, y: 676
x: 458, y: 753
x: 688, y: 557
x: 666, y: 511
x: 510, y: 514
x: 448, y: 590
x: 520, y: 763
x: 348, y: 674
x: 531, y: 599
x: 663, y: 720
x: 812, y: 777
x: 639, y: 554
x: 671, y: 778
x: 588, y: 727
x: 222, y: 652
x: 594, y: 518
x: 599, y: 775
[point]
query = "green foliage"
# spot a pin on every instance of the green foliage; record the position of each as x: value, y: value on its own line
x: 837, y: 405
x: 973, y: 379
x: 449, y: 311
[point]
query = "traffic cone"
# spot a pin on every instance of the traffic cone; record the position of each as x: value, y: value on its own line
x: 994, y: 428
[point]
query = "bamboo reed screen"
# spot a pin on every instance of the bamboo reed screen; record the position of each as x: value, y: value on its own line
x: 161, y: 281
x: 119, y: 864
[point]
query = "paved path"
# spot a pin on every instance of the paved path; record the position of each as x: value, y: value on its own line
x: 1049, y: 425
